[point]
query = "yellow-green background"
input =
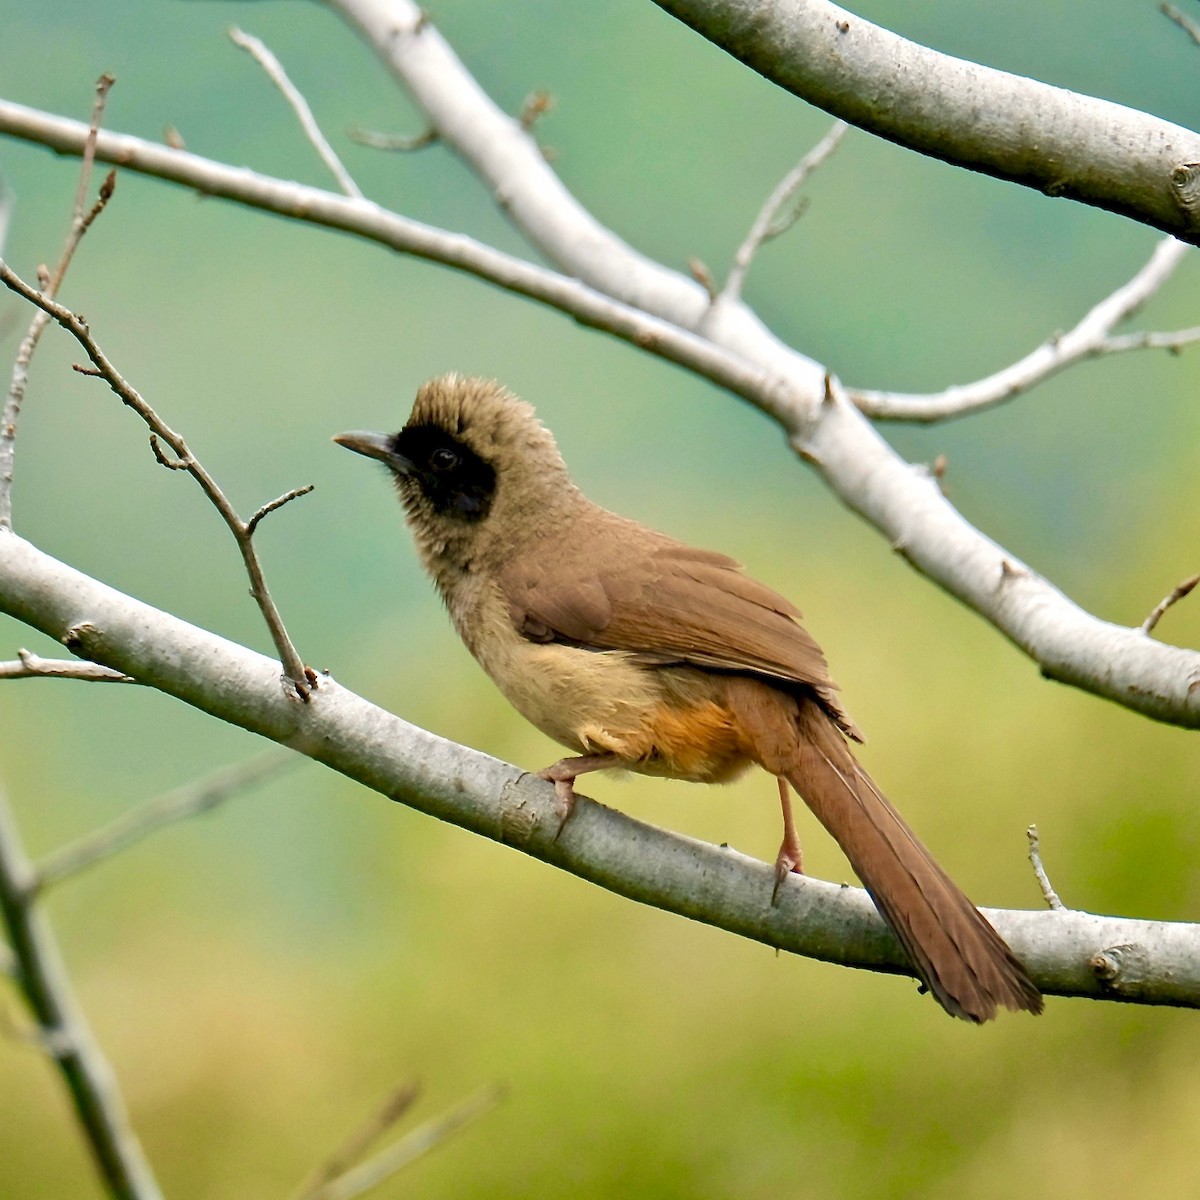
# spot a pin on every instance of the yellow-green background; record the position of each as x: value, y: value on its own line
x: 261, y: 977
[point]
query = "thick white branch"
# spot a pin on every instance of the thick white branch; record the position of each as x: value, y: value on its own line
x: 1069, y: 953
x: 1057, y: 141
x: 1069, y: 644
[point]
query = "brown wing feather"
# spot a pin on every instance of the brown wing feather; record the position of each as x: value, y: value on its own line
x: 628, y: 588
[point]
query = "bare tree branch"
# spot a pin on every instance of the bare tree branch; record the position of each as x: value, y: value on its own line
x: 1048, y: 138
x: 1173, y: 597
x: 81, y: 221
x: 31, y: 666
x: 1072, y: 953
x: 1035, y: 859
x: 393, y: 141
x: 301, y: 678
x: 83, y: 215
x: 1185, y: 23
x: 193, y: 799
x: 377, y: 1170
x: 352, y: 1150
x: 63, y: 1030
x: 773, y: 221
x: 1091, y: 337
x: 273, y: 505
x: 278, y: 76
x: 1173, y: 341
x: 160, y: 455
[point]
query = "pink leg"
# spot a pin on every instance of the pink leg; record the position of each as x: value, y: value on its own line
x: 563, y: 773
x: 790, y: 857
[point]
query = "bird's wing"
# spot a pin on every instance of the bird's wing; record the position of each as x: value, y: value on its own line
x: 640, y: 592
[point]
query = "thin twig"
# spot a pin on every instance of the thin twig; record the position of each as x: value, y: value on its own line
x: 191, y: 800
x: 1089, y: 338
x: 64, y: 1033
x: 772, y: 220
x: 1035, y: 857
x: 409, y: 1148
x: 302, y: 679
x: 393, y: 141
x: 277, y: 503
x: 1185, y: 23
x: 1172, y: 340
x: 81, y: 221
x: 699, y: 271
x: 1176, y: 594
x: 352, y: 1150
x: 278, y: 76
x: 83, y: 216
x: 160, y: 455
x: 31, y: 666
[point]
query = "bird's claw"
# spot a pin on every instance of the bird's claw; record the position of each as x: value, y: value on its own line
x: 564, y: 796
x: 787, y: 863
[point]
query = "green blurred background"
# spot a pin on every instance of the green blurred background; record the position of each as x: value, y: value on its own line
x: 260, y: 978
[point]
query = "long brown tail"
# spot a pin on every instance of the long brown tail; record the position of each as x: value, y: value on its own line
x: 965, y: 963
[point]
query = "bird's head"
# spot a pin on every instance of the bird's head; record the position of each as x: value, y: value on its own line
x: 476, y: 470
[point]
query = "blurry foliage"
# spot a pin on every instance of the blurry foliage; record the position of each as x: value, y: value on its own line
x: 260, y: 978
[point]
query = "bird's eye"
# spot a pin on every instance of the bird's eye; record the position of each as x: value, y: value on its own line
x: 443, y: 460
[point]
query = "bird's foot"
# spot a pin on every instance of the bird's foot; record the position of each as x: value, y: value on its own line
x: 789, y: 861
x: 564, y: 793
x: 563, y: 774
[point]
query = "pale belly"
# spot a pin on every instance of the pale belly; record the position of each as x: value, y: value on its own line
x: 583, y: 700
x: 657, y: 721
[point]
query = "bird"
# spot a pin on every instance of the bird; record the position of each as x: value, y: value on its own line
x: 642, y: 653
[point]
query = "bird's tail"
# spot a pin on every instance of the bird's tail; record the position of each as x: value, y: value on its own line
x: 965, y: 963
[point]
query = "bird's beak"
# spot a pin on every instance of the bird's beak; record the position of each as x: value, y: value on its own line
x: 375, y: 445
